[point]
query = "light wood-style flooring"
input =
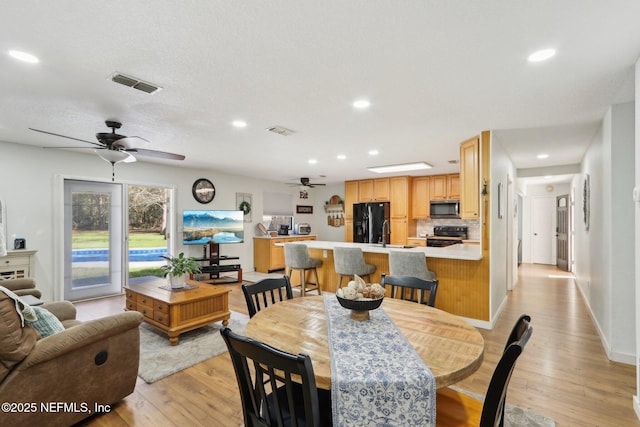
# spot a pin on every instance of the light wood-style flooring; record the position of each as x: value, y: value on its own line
x: 564, y: 372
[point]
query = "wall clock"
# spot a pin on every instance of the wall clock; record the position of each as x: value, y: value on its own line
x: 203, y: 190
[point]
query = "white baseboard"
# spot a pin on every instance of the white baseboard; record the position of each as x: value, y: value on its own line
x: 636, y: 406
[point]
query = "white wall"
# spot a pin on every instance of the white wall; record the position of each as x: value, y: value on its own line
x: 605, y: 253
x: 503, y: 238
x: 27, y: 176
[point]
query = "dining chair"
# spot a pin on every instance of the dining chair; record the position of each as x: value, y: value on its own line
x: 265, y: 292
x: 455, y: 408
x: 406, y: 288
x: 350, y: 261
x: 276, y: 388
x: 296, y: 257
x: 409, y: 264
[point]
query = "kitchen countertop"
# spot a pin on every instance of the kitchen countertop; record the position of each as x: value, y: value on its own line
x: 280, y: 236
x: 462, y: 252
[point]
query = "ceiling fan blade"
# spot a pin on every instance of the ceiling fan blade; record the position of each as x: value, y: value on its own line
x: 154, y: 153
x: 130, y: 141
x: 68, y: 137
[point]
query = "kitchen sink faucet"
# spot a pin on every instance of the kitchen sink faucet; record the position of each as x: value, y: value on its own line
x: 385, y: 224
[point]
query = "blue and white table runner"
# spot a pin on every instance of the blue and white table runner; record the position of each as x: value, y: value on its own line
x: 377, y: 378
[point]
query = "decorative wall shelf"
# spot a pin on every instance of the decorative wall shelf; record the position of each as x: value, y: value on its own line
x: 334, y: 208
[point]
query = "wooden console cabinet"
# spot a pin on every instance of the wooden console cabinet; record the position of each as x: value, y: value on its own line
x: 268, y: 257
x: 17, y: 264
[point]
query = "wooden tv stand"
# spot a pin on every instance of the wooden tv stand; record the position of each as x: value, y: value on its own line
x: 215, y: 267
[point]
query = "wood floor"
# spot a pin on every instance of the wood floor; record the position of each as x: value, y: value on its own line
x: 563, y: 373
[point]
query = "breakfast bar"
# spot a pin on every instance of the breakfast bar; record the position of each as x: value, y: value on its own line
x: 464, y: 285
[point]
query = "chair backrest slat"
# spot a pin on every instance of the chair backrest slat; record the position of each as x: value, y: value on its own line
x: 286, y: 401
x: 411, y: 288
x: 265, y: 292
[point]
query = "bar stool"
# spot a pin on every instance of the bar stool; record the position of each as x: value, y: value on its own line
x: 296, y: 257
x: 350, y: 261
x: 409, y: 264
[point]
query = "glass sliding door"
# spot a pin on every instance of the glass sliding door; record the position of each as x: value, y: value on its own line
x: 94, y: 239
x: 148, y: 232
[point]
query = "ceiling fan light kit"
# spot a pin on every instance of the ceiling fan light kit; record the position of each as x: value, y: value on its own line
x: 115, y: 156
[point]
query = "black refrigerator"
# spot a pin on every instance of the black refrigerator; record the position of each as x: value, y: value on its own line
x: 368, y: 220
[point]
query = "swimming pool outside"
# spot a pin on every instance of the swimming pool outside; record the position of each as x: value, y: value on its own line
x: 135, y: 255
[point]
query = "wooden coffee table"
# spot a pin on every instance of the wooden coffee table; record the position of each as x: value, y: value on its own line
x: 176, y: 312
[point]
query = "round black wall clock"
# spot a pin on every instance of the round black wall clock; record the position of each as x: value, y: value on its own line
x: 203, y: 190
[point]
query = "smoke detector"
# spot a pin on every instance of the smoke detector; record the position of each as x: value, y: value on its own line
x: 135, y: 83
x: 281, y: 130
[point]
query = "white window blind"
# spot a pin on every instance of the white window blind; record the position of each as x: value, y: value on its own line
x: 278, y: 204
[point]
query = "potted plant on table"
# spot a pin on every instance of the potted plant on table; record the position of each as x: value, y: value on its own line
x: 178, y: 268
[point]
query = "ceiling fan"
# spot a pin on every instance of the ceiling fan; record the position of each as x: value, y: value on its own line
x: 305, y: 183
x: 115, y: 148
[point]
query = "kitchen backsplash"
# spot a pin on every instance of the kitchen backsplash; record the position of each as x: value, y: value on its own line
x: 425, y: 227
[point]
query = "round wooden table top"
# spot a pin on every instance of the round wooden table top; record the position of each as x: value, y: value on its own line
x: 448, y: 345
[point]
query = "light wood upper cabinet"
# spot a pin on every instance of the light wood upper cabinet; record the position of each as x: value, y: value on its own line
x: 470, y: 179
x: 453, y: 186
x: 373, y: 190
x: 400, y: 196
x: 444, y: 187
x: 350, y: 197
x: 420, y: 203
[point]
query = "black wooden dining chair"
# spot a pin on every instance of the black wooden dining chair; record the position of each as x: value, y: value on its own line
x: 260, y: 369
x: 406, y: 288
x: 265, y: 292
x: 454, y: 408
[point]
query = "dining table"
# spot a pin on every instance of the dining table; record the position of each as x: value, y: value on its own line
x: 449, y: 346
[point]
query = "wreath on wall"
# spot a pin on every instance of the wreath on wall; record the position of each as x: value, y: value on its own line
x: 245, y: 207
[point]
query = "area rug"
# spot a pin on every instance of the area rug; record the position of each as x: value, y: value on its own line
x: 515, y: 416
x: 159, y: 359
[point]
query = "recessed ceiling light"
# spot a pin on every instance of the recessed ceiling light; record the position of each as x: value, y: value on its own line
x: 541, y: 55
x: 313, y: 161
x: 373, y: 152
x: 361, y: 104
x: 548, y: 177
x: 23, y: 56
x: 239, y: 123
x: 400, y: 168
x: 341, y: 157
x: 542, y: 156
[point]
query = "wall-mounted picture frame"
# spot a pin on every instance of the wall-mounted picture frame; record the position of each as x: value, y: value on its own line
x: 304, y: 209
x: 586, y: 201
x: 500, y: 205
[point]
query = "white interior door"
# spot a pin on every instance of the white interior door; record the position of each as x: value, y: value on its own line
x: 543, y: 222
x: 93, y: 239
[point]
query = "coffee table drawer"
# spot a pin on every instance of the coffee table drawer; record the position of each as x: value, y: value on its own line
x: 145, y: 310
x: 160, y: 307
x: 161, y: 317
x: 131, y: 304
x: 145, y: 300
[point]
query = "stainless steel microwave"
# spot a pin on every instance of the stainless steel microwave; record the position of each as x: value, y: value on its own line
x: 444, y: 209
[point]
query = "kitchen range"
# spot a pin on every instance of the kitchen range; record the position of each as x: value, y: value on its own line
x: 447, y: 236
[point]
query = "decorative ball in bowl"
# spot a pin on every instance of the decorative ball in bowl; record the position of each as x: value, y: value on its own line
x: 360, y: 298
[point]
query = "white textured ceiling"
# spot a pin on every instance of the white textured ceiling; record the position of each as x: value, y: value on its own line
x: 436, y: 72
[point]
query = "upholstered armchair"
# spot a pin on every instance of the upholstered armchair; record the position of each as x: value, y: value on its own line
x: 24, y: 286
x: 84, y: 365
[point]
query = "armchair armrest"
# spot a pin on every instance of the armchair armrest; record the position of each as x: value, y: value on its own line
x: 80, y: 336
x: 23, y: 286
x: 63, y: 310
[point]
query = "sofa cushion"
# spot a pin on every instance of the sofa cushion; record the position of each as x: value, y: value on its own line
x: 46, y: 323
x: 16, y: 342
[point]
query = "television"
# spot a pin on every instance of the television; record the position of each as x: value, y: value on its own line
x: 201, y: 227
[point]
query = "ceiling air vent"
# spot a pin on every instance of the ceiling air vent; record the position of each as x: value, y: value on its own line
x: 281, y: 130
x: 135, y: 83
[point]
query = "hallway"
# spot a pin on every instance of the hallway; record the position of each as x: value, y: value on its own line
x: 564, y: 372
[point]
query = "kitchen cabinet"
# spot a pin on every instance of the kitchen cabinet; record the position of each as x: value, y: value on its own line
x: 444, y: 187
x: 373, y: 190
x: 268, y: 257
x: 420, y: 202
x: 420, y: 241
x: 400, y: 203
x: 350, y: 197
x: 470, y: 179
